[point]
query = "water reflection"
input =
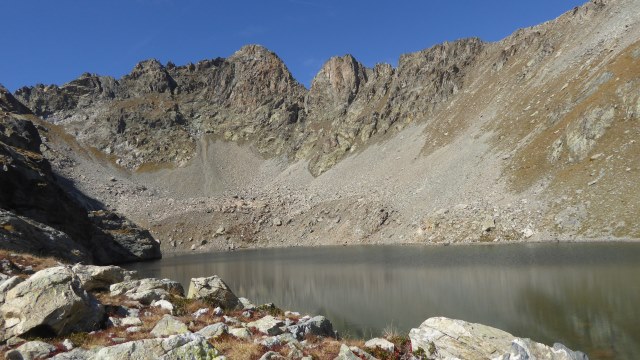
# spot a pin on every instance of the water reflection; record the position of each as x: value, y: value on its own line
x: 584, y: 295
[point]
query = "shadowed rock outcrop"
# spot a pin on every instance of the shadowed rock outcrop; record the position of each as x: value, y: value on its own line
x: 38, y: 216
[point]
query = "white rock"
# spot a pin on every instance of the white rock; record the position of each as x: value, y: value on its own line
x: 456, y: 339
x: 163, y: 304
x: 130, y: 321
x: 381, y: 343
x: 183, y: 346
x: 169, y: 325
x: 200, y: 312
x: 214, y: 330
x: 267, y: 325
x: 240, y: 333
x: 67, y: 344
x: 527, y: 233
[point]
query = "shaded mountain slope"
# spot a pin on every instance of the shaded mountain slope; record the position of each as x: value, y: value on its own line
x: 38, y: 216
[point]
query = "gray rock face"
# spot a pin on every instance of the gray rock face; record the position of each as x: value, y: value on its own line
x: 128, y: 241
x: 30, y: 350
x: 50, y: 302
x: 240, y: 333
x: 267, y: 325
x: 443, y: 338
x: 7, y: 285
x: 9, y: 104
x: 214, y: 291
x: 246, y: 303
x: 214, y: 330
x: 317, y: 325
x: 75, y: 354
x: 23, y: 234
x: 147, y: 290
x: 277, y: 340
x: 101, y: 277
x: 169, y: 325
x: 176, y: 347
x: 384, y: 344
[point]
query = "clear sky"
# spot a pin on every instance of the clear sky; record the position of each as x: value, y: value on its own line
x: 53, y: 42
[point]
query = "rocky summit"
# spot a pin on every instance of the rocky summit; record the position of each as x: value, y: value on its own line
x: 531, y: 138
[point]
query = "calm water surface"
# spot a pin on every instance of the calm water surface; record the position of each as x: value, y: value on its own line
x: 586, y: 296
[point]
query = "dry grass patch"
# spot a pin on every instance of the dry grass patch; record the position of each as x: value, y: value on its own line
x: 324, y: 350
x: 37, y: 263
x: 234, y: 348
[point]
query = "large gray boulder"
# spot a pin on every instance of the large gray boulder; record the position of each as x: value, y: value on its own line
x: 317, y: 325
x: 30, y: 350
x: 50, y: 302
x: 101, y: 277
x: 178, y: 347
x: 147, y: 290
x: 169, y: 325
x: 443, y: 338
x: 381, y: 343
x: 267, y: 325
x: 214, y: 291
x: 7, y: 285
x: 214, y: 330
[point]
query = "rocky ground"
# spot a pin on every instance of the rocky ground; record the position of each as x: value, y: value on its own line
x: 52, y: 310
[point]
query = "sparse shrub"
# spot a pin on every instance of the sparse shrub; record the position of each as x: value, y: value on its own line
x: 270, y: 309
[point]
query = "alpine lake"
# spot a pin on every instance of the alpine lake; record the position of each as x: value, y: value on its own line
x: 584, y: 295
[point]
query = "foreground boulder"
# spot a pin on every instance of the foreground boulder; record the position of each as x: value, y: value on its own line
x: 148, y: 290
x: 50, y: 302
x: 184, y: 346
x: 214, y: 291
x: 169, y: 325
x: 443, y: 338
x: 7, y: 285
x: 317, y: 325
x: 30, y: 350
x: 267, y: 325
x: 101, y: 277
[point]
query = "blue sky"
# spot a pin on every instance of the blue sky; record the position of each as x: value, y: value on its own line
x: 55, y: 41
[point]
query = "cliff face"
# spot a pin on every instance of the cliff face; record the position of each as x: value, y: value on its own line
x: 38, y: 216
x: 532, y: 137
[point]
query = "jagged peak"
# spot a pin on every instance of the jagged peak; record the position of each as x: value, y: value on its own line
x: 254, y: 52
x: 10, y: 104
x: 445, y: 50
x: 339, y: 66
x: 145, y: 66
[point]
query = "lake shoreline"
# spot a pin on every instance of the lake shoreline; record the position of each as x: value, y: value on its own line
x: 170, y: 254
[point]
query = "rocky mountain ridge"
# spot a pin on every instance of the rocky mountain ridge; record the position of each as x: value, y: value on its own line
x: 530, y: 138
